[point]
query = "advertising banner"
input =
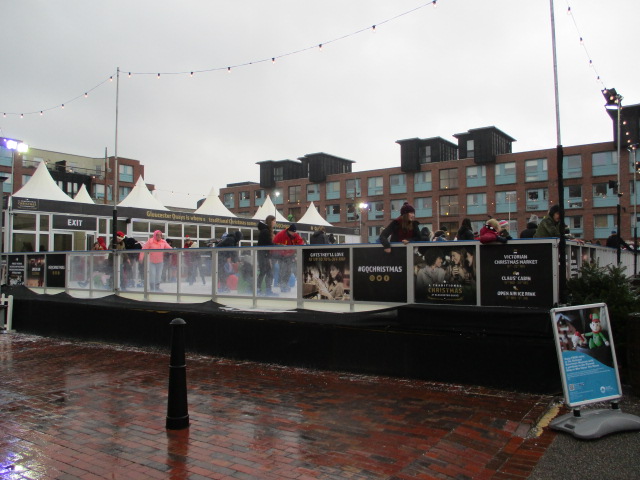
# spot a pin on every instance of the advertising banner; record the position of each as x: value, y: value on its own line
x: 445, y: 273
x: 326, y: 274
x: 56, y: 270
x: 16, y: 270
x: 379, y: 276
x: 35, y: 271
x: 586, y: 355
x: 517, y: 275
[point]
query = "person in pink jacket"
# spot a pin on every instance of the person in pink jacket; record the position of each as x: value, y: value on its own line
x: 156, y: 259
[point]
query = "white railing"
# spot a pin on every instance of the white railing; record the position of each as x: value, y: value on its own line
x: 519, y: 273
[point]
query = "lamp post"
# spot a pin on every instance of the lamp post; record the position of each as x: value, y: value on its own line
x: 614, y: 102
x: 275, y: 208
x: 361, y: 206
x: 20, y: 147
x: 633, y: 148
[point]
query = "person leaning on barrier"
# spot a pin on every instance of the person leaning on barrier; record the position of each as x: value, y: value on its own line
x: 403, y: 229
x: 530, y: 231
x: 490, y: 233
x: 550, y: 225
x: 319, y: 237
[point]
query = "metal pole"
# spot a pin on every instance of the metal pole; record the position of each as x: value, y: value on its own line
x: 114, y: 223
x: 562, y: 246
x: 619, y: 207
x: 635, y: 213
x: 177, y: 405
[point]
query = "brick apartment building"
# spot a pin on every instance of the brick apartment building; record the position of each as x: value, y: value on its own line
x: 476, y: 177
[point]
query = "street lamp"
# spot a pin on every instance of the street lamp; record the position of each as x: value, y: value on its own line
x: 361, y: 206
x: 20, y: 147
x: 275, y: 208
x: 614, y: 102
x: 633, y: 148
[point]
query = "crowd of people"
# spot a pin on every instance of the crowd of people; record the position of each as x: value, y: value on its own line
x: 276, y: 267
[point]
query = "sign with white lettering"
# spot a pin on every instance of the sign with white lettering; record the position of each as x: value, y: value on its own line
x: 379, y: 276
x: 517, y: 274
x: 69, y: 222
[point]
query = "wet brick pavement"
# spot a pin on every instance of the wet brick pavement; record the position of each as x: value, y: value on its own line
x: 74, y: 410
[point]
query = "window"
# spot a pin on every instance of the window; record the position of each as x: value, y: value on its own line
x: 536, y: 170
x: 470, y: 149
x: 333, y: 213
x: 278, y: 174
x: 537, y: 199
x: 477, y: 176
x: 506, y: 201
x: 505, y: 173
x: 572, y: 165
x: 574, y: 196
x: 601, y: 190
x: 449, y: 205
x: 449, y: 178
x: 25, y: 179
x: 423, y: 206
x: 352, y: 213
x: 313, y: 192
x: 333, y: 190
x: 353, y: 187
x: 376, y: 211
x: 294, y: 194
x: 574, y: 224
x: 124, y: 191
x: 476, y: 203
x: 424, y: 154
x: 259, y: 197
x: 245, y: 195
x: 601, y: 221
x: 375, y: 186
x: 125, y: 173
x: 398, y: 183
x: 604, y: 163
x: 396, y: 205
x: 277, y: 196
x: 227, y: 199
x: 422, y: 182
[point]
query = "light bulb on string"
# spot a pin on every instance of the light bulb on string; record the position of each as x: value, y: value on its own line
x: 435, y: 3
x: 158, y: 75
x: 273, y: 60
x: 111, y: 78
x: 41, y: 113
x: 191, y: 74
x: 129, y: 74
x: 373, y: 28
x: 568, y: 10
x: 320, y: 47
x: 63, y: 106
x: 581, y: 41
x: 22, y: 115
x: 86, y: 94
x: 228, y: 69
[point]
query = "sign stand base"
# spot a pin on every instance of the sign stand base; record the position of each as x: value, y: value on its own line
x: 597, y: 423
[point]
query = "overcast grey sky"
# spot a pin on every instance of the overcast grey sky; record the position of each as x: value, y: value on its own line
x: 431, y: 72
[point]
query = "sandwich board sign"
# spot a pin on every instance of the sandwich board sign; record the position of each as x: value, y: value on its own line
x: 589, y: 371
x: 584, y: 343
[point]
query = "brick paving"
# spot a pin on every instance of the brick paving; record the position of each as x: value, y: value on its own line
x: 76, y: 410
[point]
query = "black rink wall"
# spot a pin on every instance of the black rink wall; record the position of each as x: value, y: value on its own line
x: 494, y: 347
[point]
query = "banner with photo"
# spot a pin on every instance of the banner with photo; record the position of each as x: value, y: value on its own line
x: 15, y: 270
x: 326, y: 274
x: 584, y: 342
x: 35, y: 271
x: 445, y: 273
x: 379, y: 276
x: 517, y: 275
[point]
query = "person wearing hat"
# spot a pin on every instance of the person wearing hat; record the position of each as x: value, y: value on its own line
x: 403, y: 229
x: 288, y: 236
x: 193, y: 262
x: 504, y: 229
x: 550, y: 225
x: 490, y: 233
x: 530, y: 231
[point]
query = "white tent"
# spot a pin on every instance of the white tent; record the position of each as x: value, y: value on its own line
x: 213, y: 206
x: 268, y: 208
x: 41, y: 185
x: 83, y: 196
x: 313, y: 217
x: 140, y: 197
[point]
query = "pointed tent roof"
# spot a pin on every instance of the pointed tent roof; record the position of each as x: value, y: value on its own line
x: 213, y: 206
x: 268, y: 208
x: 41, y: 185
x: 83, y: 196
x: 313, y: 217
x: 140, y: 197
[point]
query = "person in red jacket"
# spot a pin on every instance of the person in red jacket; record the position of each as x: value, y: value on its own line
x: 490, y: 233
x: 286, y: 257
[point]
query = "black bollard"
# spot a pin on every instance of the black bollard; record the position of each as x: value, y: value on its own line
x: 177, y: 408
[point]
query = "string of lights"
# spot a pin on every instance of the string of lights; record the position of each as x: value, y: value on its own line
x: 584, y: 46
x: 191, y: 73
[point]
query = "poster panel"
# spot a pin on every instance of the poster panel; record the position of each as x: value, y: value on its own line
x: 56, y: 270
x: 16, y: 270
x: 35, y: 271
x: 379, y: 276
x: 517, y: 275
x: 326, y: 274
x: 586, y: 355
x: 445, y: 273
